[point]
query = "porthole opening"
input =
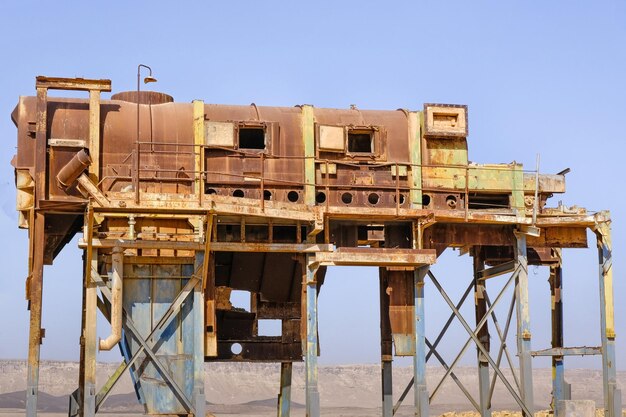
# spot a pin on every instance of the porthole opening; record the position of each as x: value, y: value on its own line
x: 373, y: 198
x: 425, y: 200
x: 211, y: 191
x: 346, y: 198
x: 267, y: 195
x: 236, y: 348
x: 238, y: 193
x: 293, y: 196
x: 451, y: 201
x: 320, y: 198
x: 402, y: 199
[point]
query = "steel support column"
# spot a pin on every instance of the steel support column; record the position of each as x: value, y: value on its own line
x: 480, y: 304
x: 560, y: 389
x: 419, y: 360
x: 88, y: 342
x: 284, y: 396
x: 34, y: 291
x: 386, y: 346
x: 199, y: 398
x: 312, y: 393
x: 612, y: 395
x: 523, y: 324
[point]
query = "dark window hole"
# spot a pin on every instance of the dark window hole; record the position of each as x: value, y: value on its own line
x: 267, y: 195
x: 373, y: 199
x: 211, y: 191
x: 251, y: 138
x: 425, y: 200
x: 360, y: 142
x: 238, y: 193
x: 320, y: 198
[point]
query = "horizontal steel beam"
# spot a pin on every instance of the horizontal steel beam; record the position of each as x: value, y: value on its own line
x: 215, y: 246
x: 569, y: 351
x: 497, y: 270
x: 377, y: 257
x: 84, y: 84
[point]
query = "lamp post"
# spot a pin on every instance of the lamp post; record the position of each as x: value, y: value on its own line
x: 146, y: 80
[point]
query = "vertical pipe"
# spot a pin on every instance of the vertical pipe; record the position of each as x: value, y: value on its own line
x: 312, y: 393
x: 34, y: 304
x: 480, y: 304
x: 523, y: 324
x: 117, y: 272
x: 612, y: 396
x: 386, y: 346
x: 284, y: 396
x: 419, y: 359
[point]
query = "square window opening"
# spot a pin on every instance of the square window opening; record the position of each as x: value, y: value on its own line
x: 360, y: 142
x: 252, y: 138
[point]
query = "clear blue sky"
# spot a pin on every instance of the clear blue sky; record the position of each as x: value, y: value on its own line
x: 539, y: 77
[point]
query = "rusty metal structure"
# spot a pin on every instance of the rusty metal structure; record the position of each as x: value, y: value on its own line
x: 179, y: 204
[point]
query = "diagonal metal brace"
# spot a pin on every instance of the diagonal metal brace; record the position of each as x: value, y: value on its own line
x: 132, y: 330
x: 164, y: 322
x: 478, y: 343
x: 432, y: 349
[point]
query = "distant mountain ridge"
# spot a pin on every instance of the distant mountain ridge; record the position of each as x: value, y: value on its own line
x: 257, y: 384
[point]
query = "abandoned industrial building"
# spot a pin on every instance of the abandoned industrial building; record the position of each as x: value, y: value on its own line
x: 179, y: 204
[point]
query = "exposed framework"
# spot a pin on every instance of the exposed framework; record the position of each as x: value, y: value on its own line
x: 265, y: 199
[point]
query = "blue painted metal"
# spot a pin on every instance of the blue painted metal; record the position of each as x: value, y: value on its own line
x: 197, y: 340
x: 284, y: 397
x: 312, y: 393
x: 149, y: 291
x: 523, y: 325
x: 419, y: 360
x: 480, y: 305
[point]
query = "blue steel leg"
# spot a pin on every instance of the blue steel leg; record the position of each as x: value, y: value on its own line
x: 480, y: 305
x: 312, y: 393
x: 284, y: 397
x: 612, y: 395
x: 199, y: 398
x: 523, y: 325
x: 419, y: 360
x: 386, y: 345
x: 558, y: 369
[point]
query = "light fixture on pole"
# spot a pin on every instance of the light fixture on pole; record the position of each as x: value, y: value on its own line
x: 146, y: 80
